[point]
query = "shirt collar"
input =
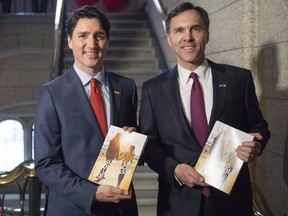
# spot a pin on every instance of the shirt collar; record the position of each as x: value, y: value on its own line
x: 85, y: 78
x: 202, y: 71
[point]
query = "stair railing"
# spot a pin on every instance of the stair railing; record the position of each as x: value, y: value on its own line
x: 256, y: 212
x: 59, y: 32
x: 23, y: 172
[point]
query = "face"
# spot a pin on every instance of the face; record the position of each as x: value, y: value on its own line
x: 89, y: 45
x: 188, y: 38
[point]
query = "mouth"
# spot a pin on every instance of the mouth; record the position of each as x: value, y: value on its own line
x: 189, y: 47
x: 91, y: 53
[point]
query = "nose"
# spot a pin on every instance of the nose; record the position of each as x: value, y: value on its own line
x: 92, y: 42
x: 188, y: 35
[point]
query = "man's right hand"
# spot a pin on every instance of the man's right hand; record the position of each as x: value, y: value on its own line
x: 189, y: 176
x: 106, y: 193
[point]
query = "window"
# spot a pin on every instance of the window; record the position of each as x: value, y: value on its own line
x: 11, y: 144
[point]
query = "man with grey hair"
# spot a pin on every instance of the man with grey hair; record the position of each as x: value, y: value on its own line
x: 194, y: 95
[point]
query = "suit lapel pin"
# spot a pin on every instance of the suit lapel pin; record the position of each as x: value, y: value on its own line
x: 116, y: 92
x: 222, y: 85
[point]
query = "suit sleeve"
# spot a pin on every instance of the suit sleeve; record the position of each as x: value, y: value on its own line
x: 254, y: 114
x: 155, y: 155
x: 49, y: 160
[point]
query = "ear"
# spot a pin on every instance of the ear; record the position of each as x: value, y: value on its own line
x: 207, y: 37
x: 169, y: 41
x: 70, y: 43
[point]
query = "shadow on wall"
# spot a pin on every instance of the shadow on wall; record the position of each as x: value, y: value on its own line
x: 278, y: 87
x: 286, y: 157
x: 272, y: 85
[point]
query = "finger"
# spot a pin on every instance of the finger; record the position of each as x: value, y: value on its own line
x: 257, y: 136
x: 243, y: 158
x: 125, y: 128
x: 190, y: 185
x: 251, y: 148
x: 247, y: 157
x: 131, y: 129
x: 117, y: 191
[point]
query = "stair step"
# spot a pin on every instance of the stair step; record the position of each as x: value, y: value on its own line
x: 146, y: 193
x: 152, y: 201
x: 148, y: 64
x: 132, y: 72
x: 113, y: 52
x: 135, y: 52
x: 125, y: 16
x: 130, y: 42
x: 128, y: 24
x: 147, y: 211
x: 125, y: 32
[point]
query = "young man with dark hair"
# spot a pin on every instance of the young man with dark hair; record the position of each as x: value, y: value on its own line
x: 73, y: 114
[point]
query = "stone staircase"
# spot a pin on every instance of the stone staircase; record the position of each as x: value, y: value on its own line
x: 133, y: 53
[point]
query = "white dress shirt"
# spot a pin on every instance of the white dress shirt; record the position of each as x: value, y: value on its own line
x: 185, y: 84
x: 101, y: 77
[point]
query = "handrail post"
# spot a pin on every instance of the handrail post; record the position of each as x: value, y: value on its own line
x: 59, y: 25
x: 34, y: 196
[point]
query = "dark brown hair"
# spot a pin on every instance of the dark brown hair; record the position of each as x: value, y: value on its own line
x: 90, y: 12
x: 184, y: 7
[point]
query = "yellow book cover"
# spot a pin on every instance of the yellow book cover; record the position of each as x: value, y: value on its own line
x: 118, y: 158
x: 218, y: 162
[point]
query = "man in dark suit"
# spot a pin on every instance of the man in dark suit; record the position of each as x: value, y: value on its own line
x: 68, y: 136
x: 173, y: 149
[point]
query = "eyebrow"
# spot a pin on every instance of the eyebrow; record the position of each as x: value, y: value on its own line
x: 190, y: 27
x: 82, y: 32
x: 99, y: 33
x: 94, y: 33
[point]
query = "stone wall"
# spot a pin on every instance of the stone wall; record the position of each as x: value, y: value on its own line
x: 26, y: 43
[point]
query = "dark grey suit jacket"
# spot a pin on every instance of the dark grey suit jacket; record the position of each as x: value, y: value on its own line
x: 68, y: 140
x: 171, y: 140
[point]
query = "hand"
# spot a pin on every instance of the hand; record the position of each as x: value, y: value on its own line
x: 106, y: 193
x: 189, y: 176
x: 129, y: 129
x: 248, y: 151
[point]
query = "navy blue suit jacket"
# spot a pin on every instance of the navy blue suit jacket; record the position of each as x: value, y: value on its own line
x: 171, y: 139
x: 68, y: 140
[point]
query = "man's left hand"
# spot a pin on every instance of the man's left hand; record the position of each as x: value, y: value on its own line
x: 249, y: 150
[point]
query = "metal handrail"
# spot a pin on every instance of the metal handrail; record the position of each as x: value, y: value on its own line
x: 25, y: 168
x: 25, y: 171
x: 59, y: 27
x: 255, y: 209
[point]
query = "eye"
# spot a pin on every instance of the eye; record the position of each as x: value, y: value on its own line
x: 196, y: 29
x: 82, y: 35
x: 178, y: 30
x: 100, y: 36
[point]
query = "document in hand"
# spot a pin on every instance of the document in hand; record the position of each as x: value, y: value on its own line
x: 118, y: 158
x: 218, y: 162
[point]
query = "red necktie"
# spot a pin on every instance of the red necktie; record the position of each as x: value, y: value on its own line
x: 98, y: 106
x: 198, y: 117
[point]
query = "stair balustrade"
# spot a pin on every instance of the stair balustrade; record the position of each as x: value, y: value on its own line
x: 27, y: 183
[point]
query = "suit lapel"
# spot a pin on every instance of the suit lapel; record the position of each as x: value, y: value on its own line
x: 77, y: 92
x: 116, y: 91
x: 220, y: 87
x: 171, y: 88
